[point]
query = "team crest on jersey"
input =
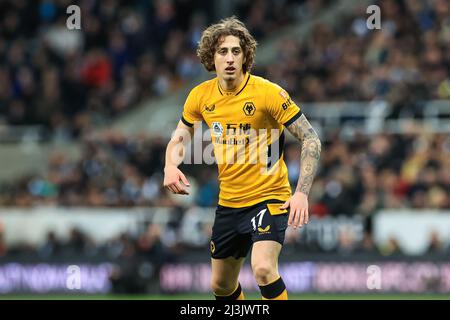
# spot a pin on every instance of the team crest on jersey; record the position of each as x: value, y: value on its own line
x: 210, y: 108
x: 249, y: 109
x: 217, y: 128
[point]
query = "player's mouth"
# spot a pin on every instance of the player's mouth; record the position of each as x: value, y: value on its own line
x: 230, y: 69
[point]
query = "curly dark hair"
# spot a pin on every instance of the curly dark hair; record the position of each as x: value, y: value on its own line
x: 213, y: 36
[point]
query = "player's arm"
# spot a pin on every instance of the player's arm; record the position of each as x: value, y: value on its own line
x: 174, y: 179
x: 309, y: 162
x: 310, y: 154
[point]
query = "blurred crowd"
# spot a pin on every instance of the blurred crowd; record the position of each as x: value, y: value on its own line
x: 75, y: 80
x: 187, y: 237
x: 356, y: 179
x: 114, y: 170
x: 71, y: 81
x: 411, y: 170
x: 405, y: 62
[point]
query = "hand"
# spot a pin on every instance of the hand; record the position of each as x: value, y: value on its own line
x: 299, y: 214
x: 175, y: 181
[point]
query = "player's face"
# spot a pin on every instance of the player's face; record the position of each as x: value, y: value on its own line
x: 229, y: 58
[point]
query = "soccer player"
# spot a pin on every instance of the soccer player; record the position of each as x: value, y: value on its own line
x: 256, y: 203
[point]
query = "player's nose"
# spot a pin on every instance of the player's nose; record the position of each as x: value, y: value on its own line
x: 230, y: 58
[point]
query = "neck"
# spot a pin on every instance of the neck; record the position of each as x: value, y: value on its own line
x: 230, y: 85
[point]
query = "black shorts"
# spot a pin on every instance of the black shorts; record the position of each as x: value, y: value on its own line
x: 236, y: 229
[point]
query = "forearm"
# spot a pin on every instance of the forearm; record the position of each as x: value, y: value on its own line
x: 175, y: 152
x: 309, y: 162
x: 174, y: 179
x: 176, y: 147
x: 310, y: 152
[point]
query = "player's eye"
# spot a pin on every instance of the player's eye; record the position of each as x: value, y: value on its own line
x: 222, y: 51
x: 236, y: 51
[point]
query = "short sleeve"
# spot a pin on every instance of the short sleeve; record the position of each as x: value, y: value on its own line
x: 191, y: 110
x: 280, y: 105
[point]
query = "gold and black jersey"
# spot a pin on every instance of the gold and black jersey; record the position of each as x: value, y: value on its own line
x: 247, y: 132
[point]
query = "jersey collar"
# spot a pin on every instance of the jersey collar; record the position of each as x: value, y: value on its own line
x: 236, y: 91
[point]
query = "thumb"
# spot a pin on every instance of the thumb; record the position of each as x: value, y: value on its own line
x: 183, y: 178
x: 285, y: 205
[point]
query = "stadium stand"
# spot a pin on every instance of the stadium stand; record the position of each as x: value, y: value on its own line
x: 131, y: 53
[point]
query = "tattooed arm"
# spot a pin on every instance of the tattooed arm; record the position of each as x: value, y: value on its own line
x: 310, y: 155
x: 311, y: 148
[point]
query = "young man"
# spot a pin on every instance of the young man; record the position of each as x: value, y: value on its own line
x: 255, y: 202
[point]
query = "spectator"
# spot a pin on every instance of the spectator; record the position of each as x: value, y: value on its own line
x: 51, y: 247
x: 51, y: 75
x: 391, y: 247
x: 436, y: 244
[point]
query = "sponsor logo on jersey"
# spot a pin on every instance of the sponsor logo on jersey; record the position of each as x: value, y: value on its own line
x: 241, y: 128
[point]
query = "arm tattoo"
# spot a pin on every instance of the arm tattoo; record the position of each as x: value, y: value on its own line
x: 310, y: 154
